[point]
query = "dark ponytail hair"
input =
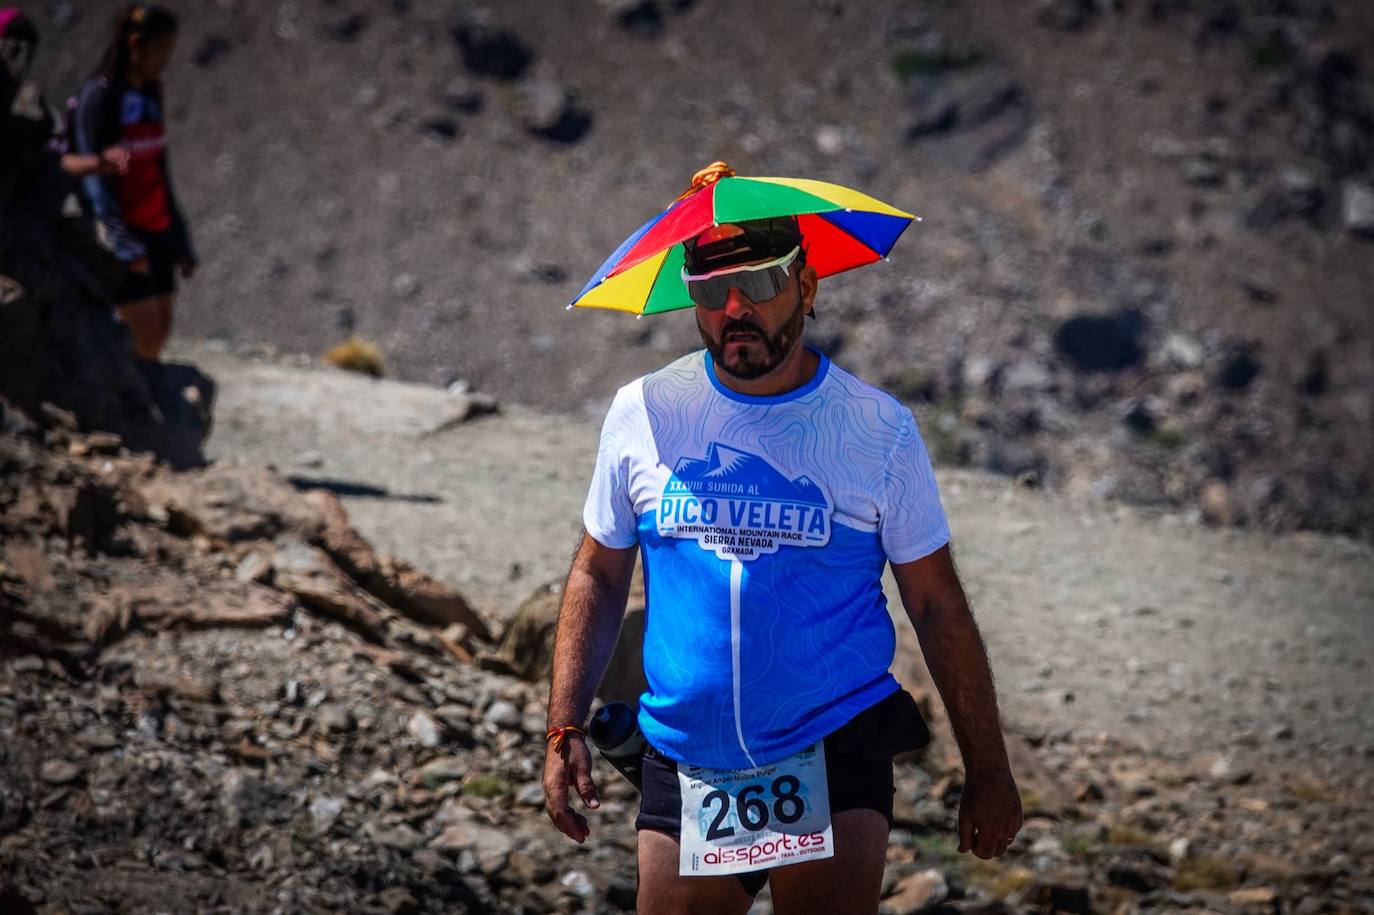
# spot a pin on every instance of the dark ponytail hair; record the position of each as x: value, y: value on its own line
x: 139, y: 23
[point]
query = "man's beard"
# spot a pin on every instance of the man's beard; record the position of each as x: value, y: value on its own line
x: 779, y: 345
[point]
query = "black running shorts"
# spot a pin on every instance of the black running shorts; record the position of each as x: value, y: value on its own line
x: 858, y: 771
x: 162, y: 253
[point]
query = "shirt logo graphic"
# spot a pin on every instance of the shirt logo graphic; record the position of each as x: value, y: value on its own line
x: 740, y: 506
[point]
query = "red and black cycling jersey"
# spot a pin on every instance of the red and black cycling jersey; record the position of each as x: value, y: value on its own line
x: 142, y: 190
x: 141, y: 200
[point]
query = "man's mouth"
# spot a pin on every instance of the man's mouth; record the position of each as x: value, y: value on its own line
x: 742, y: 335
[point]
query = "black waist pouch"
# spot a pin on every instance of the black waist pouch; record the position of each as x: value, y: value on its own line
x: 882, y: 730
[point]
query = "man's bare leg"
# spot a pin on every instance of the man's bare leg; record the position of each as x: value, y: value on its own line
x: 663, y: 891
x: 850, y: 883
x: 150, y: 322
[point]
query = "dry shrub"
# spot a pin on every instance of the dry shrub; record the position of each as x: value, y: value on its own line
x: 1010, y: 882
x: 357, y: 355
x: 1080, y: 846
x: 978, y: 871
x: 1313, y: 792
x: 1126, y: 834
x: 1205, y: 873
x: 1032, y: 804
x: 487, y: 786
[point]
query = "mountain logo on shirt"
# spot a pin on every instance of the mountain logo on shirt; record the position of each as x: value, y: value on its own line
x: 740, y: 506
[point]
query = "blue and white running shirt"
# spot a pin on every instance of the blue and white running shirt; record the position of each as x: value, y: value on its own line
x: 763, y: 525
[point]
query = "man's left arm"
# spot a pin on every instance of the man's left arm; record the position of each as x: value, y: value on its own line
x: 990, y: 806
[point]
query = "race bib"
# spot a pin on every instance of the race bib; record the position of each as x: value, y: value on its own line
x: 737, y: 820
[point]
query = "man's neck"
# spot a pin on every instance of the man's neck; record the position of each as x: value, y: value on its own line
x: 794, y: 371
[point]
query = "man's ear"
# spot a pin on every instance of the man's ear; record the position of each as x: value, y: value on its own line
x: 809, y: 282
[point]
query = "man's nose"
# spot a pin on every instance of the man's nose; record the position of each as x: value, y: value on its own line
x: 737, y: 303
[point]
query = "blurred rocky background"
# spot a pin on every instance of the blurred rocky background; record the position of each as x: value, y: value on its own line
x: 217, y: 696
x: 1143, y: 273
x: 1139, y: 298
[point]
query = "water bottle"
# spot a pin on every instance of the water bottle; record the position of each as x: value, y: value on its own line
x: 614, y: 731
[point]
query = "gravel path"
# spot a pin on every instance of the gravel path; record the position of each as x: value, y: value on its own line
x: 1098, y: 617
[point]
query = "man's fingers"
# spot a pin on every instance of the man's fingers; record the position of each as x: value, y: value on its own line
x: 989, y: 843
x: 571, y: 824
x: 562, y: 772
x: 578, y: 771
x: 568, y: 822
x: 586, y: 788
x: 555, y: 800
x: 965, y: 832
x: 1011, y: 837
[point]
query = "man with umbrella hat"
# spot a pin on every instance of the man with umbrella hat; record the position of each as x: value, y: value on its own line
x: 765, y: 489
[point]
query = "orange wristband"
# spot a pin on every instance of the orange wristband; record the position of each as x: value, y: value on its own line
x: 559, y: 735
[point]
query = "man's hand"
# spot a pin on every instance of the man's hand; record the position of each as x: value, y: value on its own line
x: 114, y: 160
x: 140, y: 265
x: 989, y: 814
x: 569, y: 767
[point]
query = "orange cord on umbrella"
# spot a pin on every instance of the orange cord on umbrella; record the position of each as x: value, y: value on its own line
x: 707, y: 177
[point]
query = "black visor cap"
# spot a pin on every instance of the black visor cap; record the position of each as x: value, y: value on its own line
x: 759, y: 240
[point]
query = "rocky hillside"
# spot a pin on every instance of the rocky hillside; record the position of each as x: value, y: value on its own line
x: 1143, y: 272
x: 216, y: 696
x: 1143, y: 276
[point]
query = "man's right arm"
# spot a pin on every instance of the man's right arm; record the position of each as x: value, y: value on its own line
x: 588, y: 627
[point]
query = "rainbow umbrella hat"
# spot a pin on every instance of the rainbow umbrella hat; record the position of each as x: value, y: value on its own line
x: 841, y: 228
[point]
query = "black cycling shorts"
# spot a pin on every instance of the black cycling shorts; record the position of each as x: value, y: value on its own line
x: 162, y: 254
x: 858, y: 771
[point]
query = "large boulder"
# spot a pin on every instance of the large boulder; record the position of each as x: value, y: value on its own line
x: 1102, y: 342
x: 95, y: 543
x: 966, y: 119
x: 317, y: 553
x: 527, y: 644
x: 394, y: 580
x: 232, y: 503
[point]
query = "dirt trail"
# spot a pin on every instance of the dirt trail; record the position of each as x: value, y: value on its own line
x: 1098, y: 617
